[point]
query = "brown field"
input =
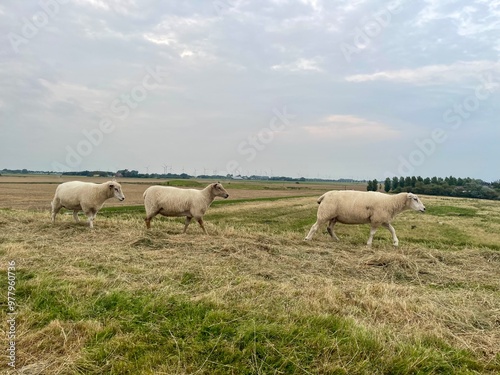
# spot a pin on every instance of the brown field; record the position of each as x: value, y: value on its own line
x: 38, y: 191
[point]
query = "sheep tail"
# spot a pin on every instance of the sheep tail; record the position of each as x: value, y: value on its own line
x: 320, y: 199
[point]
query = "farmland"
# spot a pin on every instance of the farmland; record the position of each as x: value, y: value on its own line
x: 251, y: 297
x: 38, y: 191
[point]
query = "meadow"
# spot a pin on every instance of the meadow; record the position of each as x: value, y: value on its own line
x: 252, y: 297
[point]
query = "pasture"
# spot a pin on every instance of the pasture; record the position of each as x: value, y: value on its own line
x: 251, y: 297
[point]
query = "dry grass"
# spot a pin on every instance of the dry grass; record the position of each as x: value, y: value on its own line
x: 438, y: 293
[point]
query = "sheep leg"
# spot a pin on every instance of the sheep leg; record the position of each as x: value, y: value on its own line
x: 75, y: 216
x: 149, y: 218
x: 330, y: 229
x: 373, y: 229
x: 148, y: 221
x: 91, y: 216
x: 186, y: 223
x: 313, y: 229
x: 391, y: 229
x: 56, y: 207
x: 200, y: 221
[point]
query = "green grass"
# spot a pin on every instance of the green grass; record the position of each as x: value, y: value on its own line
x: 119, y: 210
x: 253, y: 297
x: 451, y: 211
x: 152, y: 332
x: 246, y: 185
x: 183, y: 183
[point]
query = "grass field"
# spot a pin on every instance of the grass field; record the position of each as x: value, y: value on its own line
x: 252, y: 297
x: 35, y: 192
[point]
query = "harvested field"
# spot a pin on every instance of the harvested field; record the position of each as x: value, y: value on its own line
x: 39, y: 190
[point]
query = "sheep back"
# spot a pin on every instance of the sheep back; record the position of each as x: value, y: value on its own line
x: 357, y: 207
x: 79, y: 195
x: 172, y: 201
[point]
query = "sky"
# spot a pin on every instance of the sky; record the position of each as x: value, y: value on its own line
x: 356, y: 89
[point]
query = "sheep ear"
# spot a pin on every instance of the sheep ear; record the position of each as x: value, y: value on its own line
x: 111, y: 186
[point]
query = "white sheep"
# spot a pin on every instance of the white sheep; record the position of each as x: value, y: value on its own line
x: 358, y: 207
x: 84, y: 196
x: 173, y: 201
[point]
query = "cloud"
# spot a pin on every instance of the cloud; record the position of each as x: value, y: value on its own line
x: 166, y: 39
x: 475, y: 18
x: 459, y: 71
x: 350, y: 127
x: 127, y: 8
x: 228, y: 63
x: 301, y: 64
x: 89, y: 99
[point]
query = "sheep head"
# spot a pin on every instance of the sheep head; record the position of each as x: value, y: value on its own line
x: 218, y: 190
x: 117, y: 190
x: 415, y: 203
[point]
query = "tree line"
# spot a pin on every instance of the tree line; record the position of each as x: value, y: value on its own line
x: 448, y: 186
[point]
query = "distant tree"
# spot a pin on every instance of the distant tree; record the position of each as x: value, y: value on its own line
x: 395, y: 183
x: 427, y: 181
x: 460, y: 181
x: 420, y: 179
x: 413, y: 181
x: 387, y: 185
x: 434, y: 180
x: 375, y: 185
x: 401, y: 182
x: 369, y: 186
x: 408, y: 181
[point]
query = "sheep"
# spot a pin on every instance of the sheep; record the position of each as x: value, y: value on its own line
x: 357, y: 207
x: 172, y: 201
x: 84, y: 196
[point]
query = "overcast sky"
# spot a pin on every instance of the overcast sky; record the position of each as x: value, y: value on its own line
x: 315, y: 88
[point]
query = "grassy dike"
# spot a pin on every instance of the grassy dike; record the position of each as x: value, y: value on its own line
x: 253, y: 297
